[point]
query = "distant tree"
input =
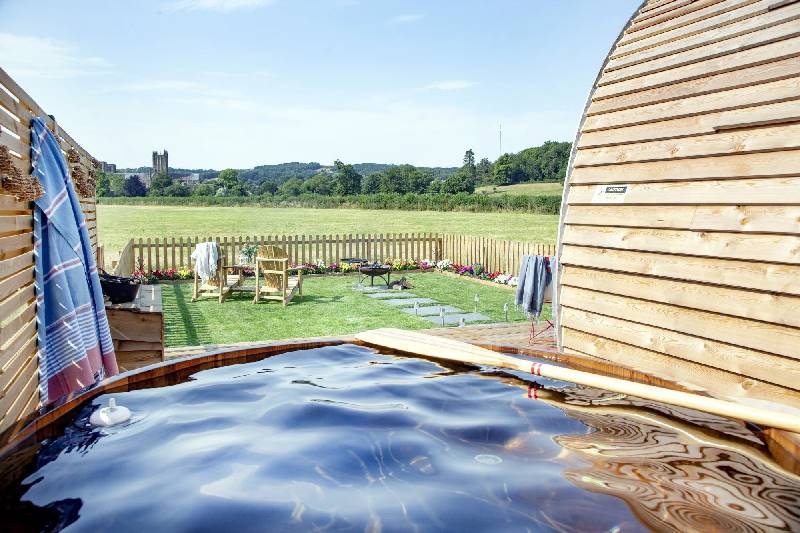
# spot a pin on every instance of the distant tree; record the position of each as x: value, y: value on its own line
x: 484, y: 171
x: 469, y: 164
x: 319, y: 184
x: 134, y: 187
x: 459, y: 182
x: 116, y: 185
x: 347, y: 180
x: 546, y: 162
x: 504, y: 170
x: 371, y: 183
x: 177, y: 189
x: 267, y: 187
x: 435, y: 186
x: 390, y: 180
x: 397, y: 179
x: 414, y: 179
x: 103, y: 184
x: 158, y: 184
x: 230, y: 185
x: 291, y: 187
x: 205, y: 189
x: 228, y: 178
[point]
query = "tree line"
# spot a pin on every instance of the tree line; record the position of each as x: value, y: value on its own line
x: 547, y: 162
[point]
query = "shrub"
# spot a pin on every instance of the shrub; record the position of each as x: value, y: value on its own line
x: 478, y: 203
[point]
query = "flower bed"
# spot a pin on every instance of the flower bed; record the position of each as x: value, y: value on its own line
x: 398, y: 265
x: 171, y: 274
x: 318, y: 268
x: 477, y: 271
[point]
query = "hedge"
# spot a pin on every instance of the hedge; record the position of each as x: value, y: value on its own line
x: 544, y: 204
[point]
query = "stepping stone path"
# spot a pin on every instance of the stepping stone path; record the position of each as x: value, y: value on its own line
x: 392, y: 294
x: 399, y: 302
x: 430, y: 311
x: 430, y: 308
x: 456, y: 318
x: 375, y: 288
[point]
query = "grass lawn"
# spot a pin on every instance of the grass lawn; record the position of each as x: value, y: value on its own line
x: 328, y: 306
x: 523, y: 188
x: 117, y: 224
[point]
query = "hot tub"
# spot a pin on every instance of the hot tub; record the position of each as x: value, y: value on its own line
x: 346, y: 438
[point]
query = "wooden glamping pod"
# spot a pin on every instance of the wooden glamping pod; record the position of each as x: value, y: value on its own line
x: 680, y: 226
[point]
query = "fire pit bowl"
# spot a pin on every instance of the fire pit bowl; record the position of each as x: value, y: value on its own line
x: 375, y: 271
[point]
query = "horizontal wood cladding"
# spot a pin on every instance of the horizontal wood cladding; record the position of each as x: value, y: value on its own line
x: 696, y: 255
x: 716, y: 65
x: 785, y: 90
x: 774, y: 27
x: 756, y: 275
x: 764, y: 306
x: 742, y: 218
x: 721, y: 192
x: 737, y: 246
x: 763, y: 115
x: 781, y: 340
x: 771, y: 70
x: 720, y: 382
x: 684, y: 34
x: 681, y: 17
x: 755, y: 139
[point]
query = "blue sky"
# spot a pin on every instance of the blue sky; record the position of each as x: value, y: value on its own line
x: 236, y: 83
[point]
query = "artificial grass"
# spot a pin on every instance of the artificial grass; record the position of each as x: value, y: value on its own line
x: 118, y: 223
x: 328, y: 306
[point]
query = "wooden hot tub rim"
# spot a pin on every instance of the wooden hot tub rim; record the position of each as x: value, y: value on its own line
x: 783, y: 446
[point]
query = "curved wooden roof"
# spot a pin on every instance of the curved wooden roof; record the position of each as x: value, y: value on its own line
x: 680, y: 233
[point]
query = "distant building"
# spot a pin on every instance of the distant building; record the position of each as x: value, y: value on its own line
x: 161, y: 163
x: 108, y: 168
x: 144, y: 177
x: 189, y: 180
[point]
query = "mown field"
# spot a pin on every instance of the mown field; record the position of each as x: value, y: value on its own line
x: 523, y: 188
x: 117, y: 223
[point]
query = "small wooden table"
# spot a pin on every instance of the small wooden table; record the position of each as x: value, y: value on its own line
x: 231, y: 278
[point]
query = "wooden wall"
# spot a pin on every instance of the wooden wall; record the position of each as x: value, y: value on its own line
x: 19, y: 371
x: 680, y: 233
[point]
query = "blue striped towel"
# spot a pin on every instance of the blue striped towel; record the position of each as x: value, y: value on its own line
x: 75, y: 347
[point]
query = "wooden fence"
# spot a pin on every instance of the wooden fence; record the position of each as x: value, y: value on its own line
x: 19, y: 368
x: 494, y: 254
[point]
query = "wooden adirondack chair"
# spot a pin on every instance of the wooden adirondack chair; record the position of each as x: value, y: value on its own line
x: 279, y: 282
x: 214, y: 285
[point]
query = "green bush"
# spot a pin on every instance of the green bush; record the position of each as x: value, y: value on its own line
x: 477, y: 203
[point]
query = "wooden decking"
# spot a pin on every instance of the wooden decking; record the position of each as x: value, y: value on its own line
x: 516, y: 335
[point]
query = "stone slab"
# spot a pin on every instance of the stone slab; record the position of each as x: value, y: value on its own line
x: 456, y: 319
x: 399, y: 302
x: 391, y: 294
x: 371, y: 288
x: 430, y: 311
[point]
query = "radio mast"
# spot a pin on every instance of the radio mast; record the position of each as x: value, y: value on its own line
x: 501, y: 140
